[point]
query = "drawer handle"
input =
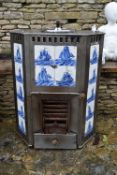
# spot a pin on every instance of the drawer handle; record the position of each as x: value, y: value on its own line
x: 55, y: 142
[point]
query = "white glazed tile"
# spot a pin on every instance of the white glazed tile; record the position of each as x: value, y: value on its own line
x: 96, y: 46
x: 39, y: 48
x: 18, y: 46
x: 59, y: 49
x: 72, y: 72
x: 20, y: 105
x: 18, y: 67
x: 91, y: 123
x: 18, y: 86
x: 49, y: 70
x: 91, y: 86
x: 91, y: 105
x: 22, y: 125
x: 59, y: 72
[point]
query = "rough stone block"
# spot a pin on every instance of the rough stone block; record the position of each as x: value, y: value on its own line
x: 49, y: 1
x: 72, y: 26
x: 8, y: 27
x: 66, y: 1
x: 23, y: 26
x: 29, y: 16
x: 68, y: 6
x: 33, y: 1
x: 88, y: 15
x: 20, y: 21
x: 2, y: 22
x: 85, y: 1
x: 53, y: 6
x: 1, y: 15
x: 35, y: 26
x: 6, y: 38
x: 20, y: 1
x: 103, y: 1
x: 13, y: 15
x: 37, y: 21
x: 61, y: 15
x: 12, y: 5
x: 36, y: 6
x: 3, y: 9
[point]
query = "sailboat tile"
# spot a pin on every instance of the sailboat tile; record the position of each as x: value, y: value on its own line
x: 20, y: 90
x: 65, y: 55
x: 18, y: 52
x: 21, y: 111
x: 89, y: 125
x: 22, y: 125
x: 44, y: 76
x: 44, y: 55
x: 18, y: 72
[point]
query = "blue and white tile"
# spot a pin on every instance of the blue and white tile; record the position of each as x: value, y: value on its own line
x: 92, y: 69
x: 20, y: 90
x: 90, y: 105
x: 44, y: 55
x: 22, y: 125
x: 44, y: 76
x: 91, y: 90
x: 65, y: 55
x: 18, y: 71
x: 94, y: 53
x: 18, y: 52
x: 59, y: 72
x: 20, y: 108
x: 89, y: 125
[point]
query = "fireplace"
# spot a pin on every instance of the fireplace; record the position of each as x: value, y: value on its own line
x: 56, y: 77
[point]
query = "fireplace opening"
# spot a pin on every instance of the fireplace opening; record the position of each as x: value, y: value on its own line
x: 55, y: 116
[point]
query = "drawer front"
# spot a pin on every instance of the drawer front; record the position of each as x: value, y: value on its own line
x: 55, y: 141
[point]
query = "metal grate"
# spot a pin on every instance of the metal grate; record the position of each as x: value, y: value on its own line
x: 55, y: 116
x: 56, y: 39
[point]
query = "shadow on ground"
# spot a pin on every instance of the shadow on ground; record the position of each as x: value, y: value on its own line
x: 98, y: 157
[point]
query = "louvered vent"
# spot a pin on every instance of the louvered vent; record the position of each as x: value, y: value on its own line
x: 55, y: 116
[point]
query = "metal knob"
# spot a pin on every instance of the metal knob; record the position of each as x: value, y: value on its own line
x: 82, y: 95
x: 55, y: 141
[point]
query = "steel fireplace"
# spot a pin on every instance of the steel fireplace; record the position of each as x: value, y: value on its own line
x: 56, y: 77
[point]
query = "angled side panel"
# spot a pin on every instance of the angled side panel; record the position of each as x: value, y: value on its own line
x: 19, y: 77
x: 92, y: 89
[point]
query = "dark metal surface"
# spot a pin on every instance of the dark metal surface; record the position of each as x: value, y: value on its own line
x: 55, y: 141
x: 56, y: 131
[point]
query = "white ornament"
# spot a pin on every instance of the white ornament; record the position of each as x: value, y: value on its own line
x: 110, y: 30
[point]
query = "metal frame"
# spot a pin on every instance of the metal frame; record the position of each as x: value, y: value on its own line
x: 76, y: 95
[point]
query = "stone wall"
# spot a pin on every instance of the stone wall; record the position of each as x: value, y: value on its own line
x: 42, y: 14
x: 107, y: 99
x: 7, y: 106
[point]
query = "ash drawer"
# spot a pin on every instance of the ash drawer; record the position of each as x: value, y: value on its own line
x: 55, y: 141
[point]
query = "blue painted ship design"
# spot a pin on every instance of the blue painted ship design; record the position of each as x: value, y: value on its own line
x: 66, y: 80
x: 18, y: 56
x: 22, y: 127
x: 94, y: 77
x: 89, y: 129
x: 92, y: 97
x: 20, y: 94
x: 90, y: 113
x: 19, y: 77
x: 44, y: 79
x: 44, y: 58
x: 94, y: 58
x: 66, y: 58
x: 21, y: 112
